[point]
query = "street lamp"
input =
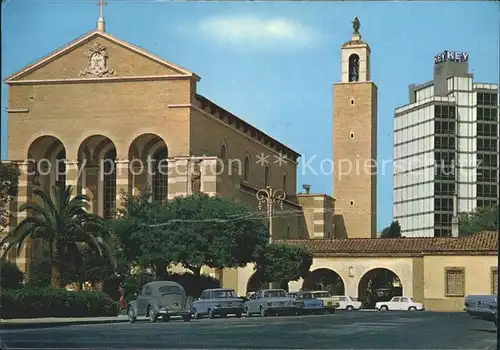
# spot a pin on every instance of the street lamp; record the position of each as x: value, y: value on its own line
x: 268, y: 196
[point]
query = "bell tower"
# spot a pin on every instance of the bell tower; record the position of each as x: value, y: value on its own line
x: 355, y: 143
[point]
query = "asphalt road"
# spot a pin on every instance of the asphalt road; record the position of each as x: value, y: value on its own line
x: 353, y: 330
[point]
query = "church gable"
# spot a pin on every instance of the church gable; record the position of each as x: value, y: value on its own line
x: 98, y: 55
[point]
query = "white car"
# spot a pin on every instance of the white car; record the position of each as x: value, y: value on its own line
x: 346, y: 303
x: 399, y: 303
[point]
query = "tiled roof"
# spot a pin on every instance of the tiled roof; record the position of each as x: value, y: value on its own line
x: 484, y: 241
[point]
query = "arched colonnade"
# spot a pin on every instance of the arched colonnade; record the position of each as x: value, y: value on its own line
x: 96, y: 170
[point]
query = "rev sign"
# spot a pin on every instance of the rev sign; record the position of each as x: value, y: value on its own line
x: 451, y: 56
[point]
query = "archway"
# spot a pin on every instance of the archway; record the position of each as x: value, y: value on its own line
x: 354, y: 67
x: 97, y: 163
x: 379, y: 284
x: 148, y: 156
x: 46, y: 163
x: 324, y: 279
x: 255, y: 282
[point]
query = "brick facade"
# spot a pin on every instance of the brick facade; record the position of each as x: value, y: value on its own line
x: 355, y: 147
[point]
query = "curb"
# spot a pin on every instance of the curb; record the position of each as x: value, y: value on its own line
x: 33, y: 325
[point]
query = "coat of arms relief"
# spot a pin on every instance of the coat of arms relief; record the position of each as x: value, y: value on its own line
x: 98, y: 63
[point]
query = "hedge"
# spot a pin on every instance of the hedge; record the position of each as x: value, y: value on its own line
x: 47, y: 302
x: 10, y: 276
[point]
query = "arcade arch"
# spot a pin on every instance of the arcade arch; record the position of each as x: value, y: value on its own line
x: 148, y: 156
x: 324, y: 279
x: 255, y: 282
x: 46, y: 160
x: 97, y: 163
x: 379, y: 284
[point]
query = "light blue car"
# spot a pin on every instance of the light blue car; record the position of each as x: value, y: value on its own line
x: 217, y: 302
x: 311, y: 305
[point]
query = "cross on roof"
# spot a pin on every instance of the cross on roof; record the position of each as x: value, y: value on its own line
x: 101, y: 5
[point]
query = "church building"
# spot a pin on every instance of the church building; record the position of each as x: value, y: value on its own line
x: 97, y: 112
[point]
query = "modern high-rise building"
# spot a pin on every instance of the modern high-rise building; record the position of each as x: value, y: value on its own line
x: 445, y: 149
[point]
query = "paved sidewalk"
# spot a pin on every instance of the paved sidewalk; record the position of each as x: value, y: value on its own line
x: 58, y: 321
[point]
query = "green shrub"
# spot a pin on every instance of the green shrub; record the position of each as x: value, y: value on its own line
x: 47, y: 302
x: 100, y: 304
x: 10, y: 276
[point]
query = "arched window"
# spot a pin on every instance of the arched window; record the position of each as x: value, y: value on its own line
x: 61, y: 167
x: 354, y: 67
x: 109, y: 183
x: 246, y: 169
x: 285, y: 183
x: 266, y: 176
x: 160, y: 175
x: 223, y: 152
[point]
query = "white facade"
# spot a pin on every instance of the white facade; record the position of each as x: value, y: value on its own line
x: 415, y: 151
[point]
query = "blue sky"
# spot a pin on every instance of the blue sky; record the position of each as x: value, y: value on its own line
x: 274, y: 63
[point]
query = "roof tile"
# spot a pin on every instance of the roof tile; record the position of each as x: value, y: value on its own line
x: 483, y: 241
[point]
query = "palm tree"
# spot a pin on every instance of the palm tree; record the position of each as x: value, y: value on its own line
x: 65, y: 226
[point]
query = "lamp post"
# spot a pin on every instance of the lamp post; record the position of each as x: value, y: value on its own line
x: 269, y: 196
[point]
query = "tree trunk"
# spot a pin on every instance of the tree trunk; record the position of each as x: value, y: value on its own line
x: 56, y: 279
x: 56, y: 274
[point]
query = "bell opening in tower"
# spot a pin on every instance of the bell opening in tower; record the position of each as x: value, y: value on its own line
x: 354, y: 67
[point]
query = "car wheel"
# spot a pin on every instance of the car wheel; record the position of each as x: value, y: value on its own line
x: 196, y: 315
x: 247, y: 312
x: 165, y: 318
x: 412, y: 308
x: 186, y: 318
x: 131, y: 315
x: 349, y: 308
x: 238, y: 315
x: 384, y: 308
x: 152, y: 315
x: 211, y: 314
x: 263, y: 312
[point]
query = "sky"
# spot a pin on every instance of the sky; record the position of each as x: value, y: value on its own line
x: 274, y: 63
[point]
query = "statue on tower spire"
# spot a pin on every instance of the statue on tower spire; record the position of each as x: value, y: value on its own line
x: 356, y: 25
x: 100, y: 22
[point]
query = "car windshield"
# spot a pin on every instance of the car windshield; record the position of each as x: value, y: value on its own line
x: 275, y: 294
x: 169, y: 290
x: 225, y: 294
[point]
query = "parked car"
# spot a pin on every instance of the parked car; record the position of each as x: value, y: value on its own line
x: 271, y: 301
x: 347, y: 303
x: 217, y: 302
x: 309, y: 302
x: 331, y: 303
x: 484, y: 307
x: 163, y: 299
x: 399, y: 303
